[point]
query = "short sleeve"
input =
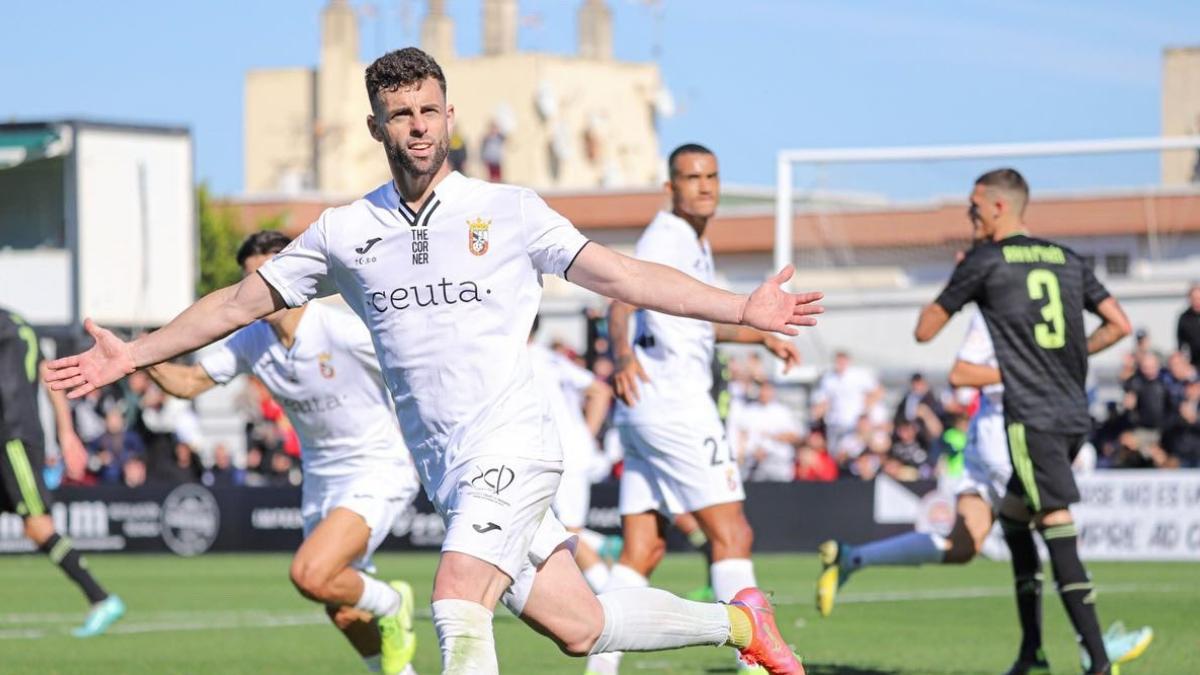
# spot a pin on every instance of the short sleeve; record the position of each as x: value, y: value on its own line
x: 571, y: 375
x: 551, y: 241
x: 1094, y: 292
x: 300, y: 272
x: 977, y: 346
x: 653, y: 246
x: 225, y: 362
x: 965, y: 283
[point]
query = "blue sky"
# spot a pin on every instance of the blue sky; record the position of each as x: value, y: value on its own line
x: 749, y: 76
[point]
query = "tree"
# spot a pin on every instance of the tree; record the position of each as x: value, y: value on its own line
x: 220, y: 236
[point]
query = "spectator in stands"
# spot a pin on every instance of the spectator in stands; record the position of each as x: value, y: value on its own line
x: 1142, y: 344
x: 155, y: 421
x: 89, y: 413
x: 256, y: 470
x: 917, y: 406
x: 843, y: 395
x: 1147, y: 401
x: 773, y: 434
x: 852, y: 445
x: 813, y: 462
x: 133, y: 474
x: 282, y: 470
x: 458, y: 153
x: 183, y: 468
x: 223, y: 473
x: 1183, y: 428
x: 910, y: 458
x: 1178, y: 374
x: 491, y: 153
x: 1187, y: 331
x: 108, y: 454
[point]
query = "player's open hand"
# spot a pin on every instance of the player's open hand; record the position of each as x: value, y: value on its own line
x: 783, y: 350
x: 625, y: 381
x: 107, y: 361
x: 771, y: 308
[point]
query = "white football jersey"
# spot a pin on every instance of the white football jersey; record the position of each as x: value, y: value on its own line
x: 676, y: 352
x: 328, y: 383
x: 555, y: 376
x: 449, y: 294
x: 977, y: 348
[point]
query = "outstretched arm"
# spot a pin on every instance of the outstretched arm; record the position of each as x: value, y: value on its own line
x: 784, y: 350
x: 181, y: 381
x: 663, y: 289
x: 1115, y: 326
x: 209, y: 319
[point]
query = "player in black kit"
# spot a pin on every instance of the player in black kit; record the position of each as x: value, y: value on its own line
x: 1032, y: 293
x: 22, y: 490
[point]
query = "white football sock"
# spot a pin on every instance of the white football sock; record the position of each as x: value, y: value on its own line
x: 912, y: 548
x: 374, y: 664
x: 619, y: 577
x: 730, y: 576
x: 597, y: 577
x: 464, y: 631
x: 647, y: 619
x: 377, y: 597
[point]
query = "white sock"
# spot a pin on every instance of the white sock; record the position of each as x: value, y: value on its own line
x: 647, y: 619
x: 377, y: 597
x: 374, y: 664
x: 597, y: 577
x: 912, y: 548
x: 619, y: 577
x: 464, y: 631
x: 730, y: 576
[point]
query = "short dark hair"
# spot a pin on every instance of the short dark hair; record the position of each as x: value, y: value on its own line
x: 1010, y: 181
x: 685, y: 149
x: 263, y: 242
x: 402, y: 68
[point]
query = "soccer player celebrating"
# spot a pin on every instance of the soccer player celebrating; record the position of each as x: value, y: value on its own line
x: 446, y: 273
x: 1032, y: 293
x: 22, y: 489
x: 677, y: 458
x: 320, y: 365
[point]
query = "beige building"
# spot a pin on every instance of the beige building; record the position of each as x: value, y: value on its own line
x: 569, y: 122
x: 1181, y: 112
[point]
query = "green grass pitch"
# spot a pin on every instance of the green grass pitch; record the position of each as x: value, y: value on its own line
x: 239, y: 614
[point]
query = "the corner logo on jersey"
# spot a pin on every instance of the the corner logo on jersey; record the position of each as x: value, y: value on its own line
x: 327, y: 371
x: 477, y: 235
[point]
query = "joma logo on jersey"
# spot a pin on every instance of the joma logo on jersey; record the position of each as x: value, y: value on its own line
x: 363, y: 258
x: 424, y: 296
x: 477, y: 235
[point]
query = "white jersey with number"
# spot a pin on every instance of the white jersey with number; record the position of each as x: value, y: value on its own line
x: 985, y: 457
x: 449, y: 294
x: 676, y: 352
x: 329, y: 384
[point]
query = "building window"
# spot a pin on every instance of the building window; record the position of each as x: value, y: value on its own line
x: 1116, y: 264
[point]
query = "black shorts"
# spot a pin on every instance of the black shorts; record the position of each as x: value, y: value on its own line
x: 22, y: 489
x: 1041, y: 462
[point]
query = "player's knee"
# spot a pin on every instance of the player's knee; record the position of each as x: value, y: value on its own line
x: 308, y: 578
x: 643, y: 556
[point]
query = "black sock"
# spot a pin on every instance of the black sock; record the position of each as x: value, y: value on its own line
x: 1075, y: 588
x: 74, y: 566
x: 1027, y: 574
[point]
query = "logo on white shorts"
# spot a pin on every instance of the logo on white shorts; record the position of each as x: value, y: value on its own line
x: 488, y: 527
x: 496, y: 479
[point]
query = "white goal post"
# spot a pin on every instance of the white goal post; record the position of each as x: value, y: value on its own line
x: 786, y: 160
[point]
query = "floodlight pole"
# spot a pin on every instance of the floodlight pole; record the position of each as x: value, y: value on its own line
x: 783, y: 214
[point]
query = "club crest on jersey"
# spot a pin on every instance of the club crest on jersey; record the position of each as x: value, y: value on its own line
x: 323, y: 360
x: 477, y: 235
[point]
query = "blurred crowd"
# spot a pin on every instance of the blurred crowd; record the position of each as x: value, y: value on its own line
x: 134, y: 435
x: 846, y: 426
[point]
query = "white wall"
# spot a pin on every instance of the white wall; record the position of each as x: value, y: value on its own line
x: 137, y: 225
x: 37, y: 284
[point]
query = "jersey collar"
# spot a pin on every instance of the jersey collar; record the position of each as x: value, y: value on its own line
x: 448, y: 186
x: 675, y: 222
